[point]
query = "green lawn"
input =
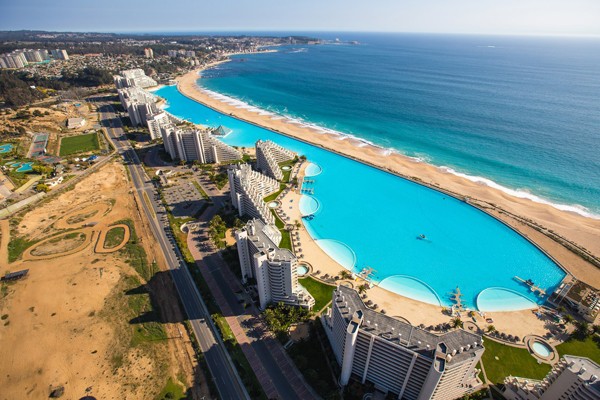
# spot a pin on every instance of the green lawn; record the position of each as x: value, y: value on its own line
x: 171, y: 391
x: 79, y: 144
x: 320, y: 291
x: 273, y: 196
x: 17, y: 246
x: 589, y: 347
x: 114, y: 237
x: 511, y: 361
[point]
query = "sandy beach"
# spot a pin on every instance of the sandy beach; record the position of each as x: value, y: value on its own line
x: 534, y: 220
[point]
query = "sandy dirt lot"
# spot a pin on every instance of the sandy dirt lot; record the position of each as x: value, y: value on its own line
x: 69, y: 323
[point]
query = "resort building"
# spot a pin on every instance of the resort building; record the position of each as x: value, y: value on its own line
x: 148, y: 53
x: 16, y: 59
x: 138, y: 103
x: 156, y: 121
x: 572, y: 378
x: 400, y: 360
x: 273, y: 269
x: 248, y: 189
x: 133, y: 78
x: 268, y: 157
x: 196, y: 145
x: 579, y: 297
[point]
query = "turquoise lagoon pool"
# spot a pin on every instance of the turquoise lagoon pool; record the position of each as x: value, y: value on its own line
x: 6, y: 148
x: 368, y: 217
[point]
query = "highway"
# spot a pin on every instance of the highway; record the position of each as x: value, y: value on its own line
x: 222, y: 369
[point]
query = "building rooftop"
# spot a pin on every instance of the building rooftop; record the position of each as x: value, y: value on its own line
x: 261, y: 236
x: 457, y: 343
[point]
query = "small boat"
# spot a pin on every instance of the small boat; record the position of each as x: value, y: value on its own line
x: 421, y: 237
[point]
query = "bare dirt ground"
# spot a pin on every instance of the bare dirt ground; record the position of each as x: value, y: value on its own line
x: 69, y: 323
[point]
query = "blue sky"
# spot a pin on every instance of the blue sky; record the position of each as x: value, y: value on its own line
x: 538, y: 17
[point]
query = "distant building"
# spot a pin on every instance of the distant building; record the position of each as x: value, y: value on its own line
x: 196, y: 145
x: 572, y: 378
x: 172, y: 53
x: 274, y: 269
x: 398, y: 359
x: 16, y: 59
x: 133, y: 78
x: 580, y: 297
x: 248, y: 189
x: 190, y: 53
x: 59, y: 54
x: 74, y: 123
x: 268, y: 157
x: 148, y: 53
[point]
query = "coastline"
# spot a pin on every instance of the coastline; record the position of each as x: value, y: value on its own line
x: 533, y: 220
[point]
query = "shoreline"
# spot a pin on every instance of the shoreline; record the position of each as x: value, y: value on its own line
x: 559, y: 234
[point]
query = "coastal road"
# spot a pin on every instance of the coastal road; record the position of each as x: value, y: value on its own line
x: 222, y: 369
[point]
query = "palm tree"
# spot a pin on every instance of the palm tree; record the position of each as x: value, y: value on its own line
x: 344, y: 274
x: 568, y: 318
x: 491, y: 328
x: 456, y: 323
x: 583, y: 329
x: 362, y: 288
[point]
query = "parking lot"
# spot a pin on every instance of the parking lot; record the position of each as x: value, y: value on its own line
x: 183, y: 199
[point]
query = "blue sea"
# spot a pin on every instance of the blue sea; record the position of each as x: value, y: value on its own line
x: 518, y: 113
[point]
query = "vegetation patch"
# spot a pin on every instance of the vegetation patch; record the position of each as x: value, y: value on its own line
x: 77, y: 218
x: 59, y: 244
x: 309, y: 357
x: 582, y: 347
x: 79, y: 144
x: 501, y: 361
x: 322, y: 292
x: 17, y: 246
x: 171, y: 391
x: 114, y: 237
x: 280, y: 317
x: 135, y: 253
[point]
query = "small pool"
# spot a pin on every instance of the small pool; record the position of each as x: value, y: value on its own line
x: 411, y: 287
x: 312, y: 169
x: 25, y: 167
x: 340, y: 252
x: 541, y: 349
x: 6, y: 148
x: 286, y: 168
x: 302, y: 270
x: 273, y: 204
x: 308, y: 205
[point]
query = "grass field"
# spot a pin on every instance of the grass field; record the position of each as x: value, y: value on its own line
x: 511, y: 361
x: 320, y: 291
x: 588, y: 347
x: 79, y: 144
x: 114, y: 237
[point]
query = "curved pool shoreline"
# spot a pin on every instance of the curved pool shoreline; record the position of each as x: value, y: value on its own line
x: 312, y: 226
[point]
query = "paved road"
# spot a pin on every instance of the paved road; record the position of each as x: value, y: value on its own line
x: 224, y: 374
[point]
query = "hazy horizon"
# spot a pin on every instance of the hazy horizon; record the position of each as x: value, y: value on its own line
x: 508, y: 17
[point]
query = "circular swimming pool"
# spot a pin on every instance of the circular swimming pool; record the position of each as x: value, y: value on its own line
x: 302, y: 270
x: 541, y: 349
x: 308, y: 205
x: 312, y: 169
x: 286, y: 168
x: 273, y: 204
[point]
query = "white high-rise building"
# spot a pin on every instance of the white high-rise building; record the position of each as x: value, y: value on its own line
x: 273, y: 269
x: 572, y: 378
x: 133, y: 78
x: 148, y: 53
x: 248, y: 189
x: 196, y: 145
x: 400, y: 360
x: 268, y: 157
x: 59, y: 54
x: 139, y: 104
x: 156, y: 122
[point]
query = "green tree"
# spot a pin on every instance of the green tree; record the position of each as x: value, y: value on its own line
x: 456, y: 322
x: 41, y: 187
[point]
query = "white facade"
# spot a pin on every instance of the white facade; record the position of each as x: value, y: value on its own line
x: 399, y: 359
x: 133, y: 78
x: 274, y: 269
x: 196, y: 145
x: 59, y: 54
x: 572, y: 378
x: 156, y: 122
x: 138, y: 103
x: 268, y: 157
x: 248, y: 188
x: 148, y: 53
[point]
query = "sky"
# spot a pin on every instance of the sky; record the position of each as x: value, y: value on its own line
x: 505, y: 17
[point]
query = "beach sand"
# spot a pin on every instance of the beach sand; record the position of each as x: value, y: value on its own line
x: 522, y: 214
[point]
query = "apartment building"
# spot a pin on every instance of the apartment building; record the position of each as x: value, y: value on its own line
x: 268, y: 157
x: 133, y: 78
x: 248, y: 188
x: 196, y: 145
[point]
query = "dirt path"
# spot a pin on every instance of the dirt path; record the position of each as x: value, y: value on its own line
x: 102, y: 239
x: 5, y: 230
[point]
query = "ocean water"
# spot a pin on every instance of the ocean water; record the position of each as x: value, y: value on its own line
x: 518, y: 113
x: 365, y: 217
